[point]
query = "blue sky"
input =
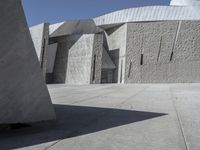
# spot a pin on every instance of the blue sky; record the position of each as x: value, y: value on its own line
x: 53, y: 11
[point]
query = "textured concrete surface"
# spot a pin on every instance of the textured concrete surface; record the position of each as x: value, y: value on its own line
x: 74, y: 61
x: 143, y: 52
x: 79, y: 59
x: 116, y: 117
x: 23, y: 94
x: 97, y: 54
x: 163, y: 52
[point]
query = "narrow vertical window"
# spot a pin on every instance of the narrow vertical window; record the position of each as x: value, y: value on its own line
x: 94, y: 67
x: 141, y: 59
x: 129, y: 71
x: 43, y: 51
x: 171, y: 57
x: 121, y: 71
x: 160, y: 47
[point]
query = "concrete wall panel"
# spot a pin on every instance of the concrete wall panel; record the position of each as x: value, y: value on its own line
x: 156, y: 41
x: 51, y: 56
x: 60, y: 66
x: 97, y: 55
x: 79, y: 59
x: 40, y: 37
x: 23, y: 94
x: 117, y: 40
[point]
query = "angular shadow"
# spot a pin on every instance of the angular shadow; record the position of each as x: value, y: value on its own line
x: 72, y: 121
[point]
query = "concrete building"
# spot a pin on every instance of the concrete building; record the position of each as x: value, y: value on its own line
x: 153, y: 44
x: 24, y: 96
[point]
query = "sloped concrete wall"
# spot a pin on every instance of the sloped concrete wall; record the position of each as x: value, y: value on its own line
x: 79, y: 64
x: 61, y: 60
x: 170, y: 49
x: 37, y: 34
x: 51, y: 56
x: 40, y: 37
x: 23, y: 94
x: 116, y: 38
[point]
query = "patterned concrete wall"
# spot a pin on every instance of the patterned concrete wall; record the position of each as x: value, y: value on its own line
x: 116, y: 38
x: 165, y: 52
x: 97, y: 54
x: 80, y: 49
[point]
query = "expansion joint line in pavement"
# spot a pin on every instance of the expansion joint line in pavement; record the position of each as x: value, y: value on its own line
x: 127, y: 99
x: 91, y: 98
x: 179, y: 120
x: 94, y: 120
x: 76, y: 131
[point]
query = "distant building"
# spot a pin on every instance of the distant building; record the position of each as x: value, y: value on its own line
x: 154, y: 44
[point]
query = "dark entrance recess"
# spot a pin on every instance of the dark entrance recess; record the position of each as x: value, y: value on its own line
x: 111, y: 75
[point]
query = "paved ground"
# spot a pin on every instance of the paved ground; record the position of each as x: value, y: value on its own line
x: 116, y: 117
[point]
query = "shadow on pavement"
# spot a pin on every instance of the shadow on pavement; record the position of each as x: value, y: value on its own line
x: 72, y: 121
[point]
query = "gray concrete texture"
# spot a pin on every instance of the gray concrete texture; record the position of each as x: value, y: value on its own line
x: 116, y: 39
x: 116, y: 117
x: 51, y: 56
x: 40, y: 37
x: 74, y: 27
x: 185, y: 2
x: 157, y: 51
x: 97, y: 55
x: 79, y: 59
x: 75, y: 57
x: 23, y: 94
x: 170, y: 49
x: 149, y: 52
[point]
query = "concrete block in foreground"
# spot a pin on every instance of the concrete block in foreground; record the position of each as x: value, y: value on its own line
x: 23, y: 94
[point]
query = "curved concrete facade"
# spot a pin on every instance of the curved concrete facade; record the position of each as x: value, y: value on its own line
x: 150, y: 13
x: 185, y: 2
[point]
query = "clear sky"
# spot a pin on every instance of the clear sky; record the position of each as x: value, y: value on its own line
x: 53, y: 11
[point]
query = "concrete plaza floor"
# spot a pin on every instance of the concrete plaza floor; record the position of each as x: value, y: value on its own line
x: 116, y: 117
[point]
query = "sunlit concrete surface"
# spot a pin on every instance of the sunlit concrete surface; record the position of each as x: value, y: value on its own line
x: 116, y: 117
